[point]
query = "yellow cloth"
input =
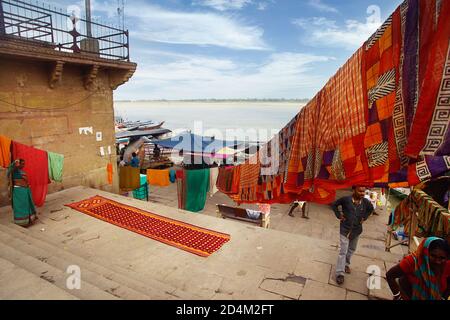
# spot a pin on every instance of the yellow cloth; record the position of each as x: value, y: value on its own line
x: 158, y: 177
x: 5, y: 151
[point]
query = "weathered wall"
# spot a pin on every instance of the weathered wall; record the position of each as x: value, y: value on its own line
x: 49, y: 119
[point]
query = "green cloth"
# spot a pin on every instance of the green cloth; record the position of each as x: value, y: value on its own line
x: 197, y: 186
x: 23, y: 206
x: 55, y: 166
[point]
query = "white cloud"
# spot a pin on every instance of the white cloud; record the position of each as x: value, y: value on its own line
x: 223, y: 5
x: 153, y: 23
x: 320, y: 31
x: 184, y: 76
x: 319, y: 5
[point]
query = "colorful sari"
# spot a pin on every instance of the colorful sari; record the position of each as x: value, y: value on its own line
x: 427, y: 286
x: 21, y: 199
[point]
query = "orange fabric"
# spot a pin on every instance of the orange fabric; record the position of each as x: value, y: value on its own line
x: 158, y: 177
x: 109, y: 169
x: 5, y: 151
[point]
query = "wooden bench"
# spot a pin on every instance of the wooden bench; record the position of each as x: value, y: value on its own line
x: 225, y: 212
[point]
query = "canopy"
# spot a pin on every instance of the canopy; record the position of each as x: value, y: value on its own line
x: 192, y: 143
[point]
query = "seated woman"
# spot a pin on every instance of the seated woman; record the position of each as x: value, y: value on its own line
x: 423, y: 275
x: 21, y: 200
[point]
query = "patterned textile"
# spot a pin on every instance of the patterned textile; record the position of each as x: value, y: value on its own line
x: 382, y: 120
x: 427, y: 287
x: 196, y: 240
x: 430, y: 128
x: 432, y: 218
x: 248, y: 182
x: 225, y: 179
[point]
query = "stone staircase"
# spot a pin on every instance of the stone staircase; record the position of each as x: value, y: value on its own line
x: 117, y: 264
x: 31, y: 267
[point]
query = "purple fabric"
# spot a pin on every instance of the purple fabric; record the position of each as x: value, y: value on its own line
x: 445, y: 147
x: 373, y: 114
x: 328, y: 158
x: 410, y: 63
x: 436, y: 165
x: 399, y: 176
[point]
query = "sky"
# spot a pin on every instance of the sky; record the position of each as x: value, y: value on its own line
x: 239, y: 49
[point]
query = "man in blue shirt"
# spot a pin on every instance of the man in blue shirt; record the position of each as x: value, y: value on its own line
x: 134, y: 160
x: 352, y: 211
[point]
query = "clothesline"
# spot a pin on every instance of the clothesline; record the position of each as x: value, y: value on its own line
x: 40, y: 166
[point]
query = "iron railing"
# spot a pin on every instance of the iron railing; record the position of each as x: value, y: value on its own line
x: 46, y: 24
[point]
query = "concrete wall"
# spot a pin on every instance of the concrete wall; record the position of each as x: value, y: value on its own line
x: 51, y: 120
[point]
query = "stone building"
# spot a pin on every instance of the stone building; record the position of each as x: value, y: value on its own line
x: 56, y: 90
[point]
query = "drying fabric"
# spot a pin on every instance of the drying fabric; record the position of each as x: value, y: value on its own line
x: 5, y: 151
x: 129, y: 178
x: 429, y: 129
x: 55, y: 166
x: 197, y: 186
x: 193, y: 239
x: 36, y: 168
x: 248, y: 182
x: 172, y: 175
x: 109, y: 171
x: 213, y: 175
x: 225, y: 179
x: 382, y: 120
x: 158, y: 177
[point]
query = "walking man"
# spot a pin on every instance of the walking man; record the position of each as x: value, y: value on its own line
x: 352, y: 211
x: 294, y: 205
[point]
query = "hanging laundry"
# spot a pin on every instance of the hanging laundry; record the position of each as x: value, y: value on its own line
x: 129, y: 178
x: 173, y: 175
x: 36, y: 168
x: 213, y: 175
x: 5, y: 151
x: 55, y: 166
x: 109, y: 171
x: 382, y: 120
x: 158, y: 177
x: 197, y: 186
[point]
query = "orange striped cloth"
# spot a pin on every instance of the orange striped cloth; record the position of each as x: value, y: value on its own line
x: 5, y: 151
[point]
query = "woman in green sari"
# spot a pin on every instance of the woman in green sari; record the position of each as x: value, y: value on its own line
x: 21, y: 198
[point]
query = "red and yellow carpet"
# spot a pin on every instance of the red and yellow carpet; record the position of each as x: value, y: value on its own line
x: 200, y: 241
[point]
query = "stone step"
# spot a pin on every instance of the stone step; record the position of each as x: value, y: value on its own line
x: 17, y: 283
x: 28, y: 247
x: 52, y: 275
x: 153, y: 288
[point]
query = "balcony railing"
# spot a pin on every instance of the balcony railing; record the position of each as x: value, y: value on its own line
x: 65, y: 32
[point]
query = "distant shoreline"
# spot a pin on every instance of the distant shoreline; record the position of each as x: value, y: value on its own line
x: 222, y: 100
